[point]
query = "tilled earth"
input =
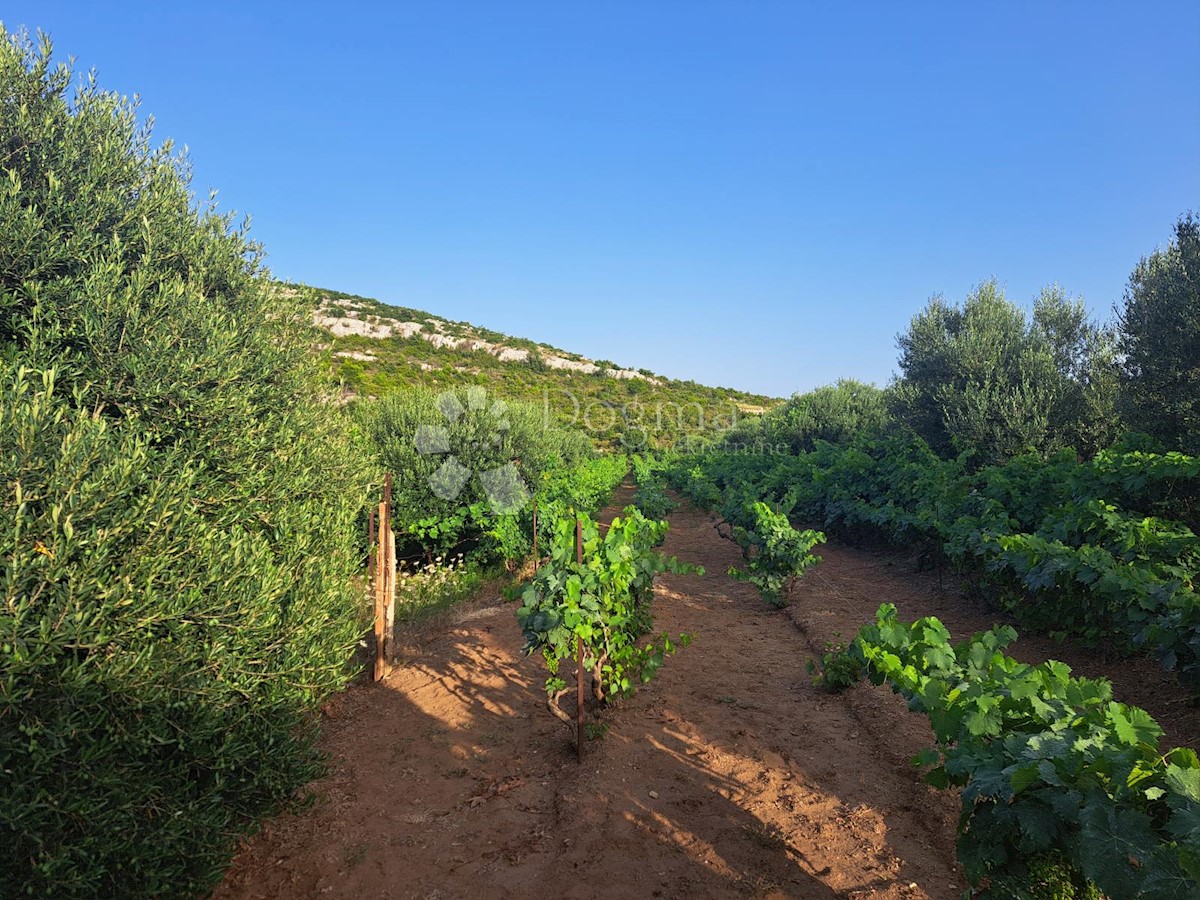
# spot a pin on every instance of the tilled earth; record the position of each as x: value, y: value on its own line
x: 730, y: 775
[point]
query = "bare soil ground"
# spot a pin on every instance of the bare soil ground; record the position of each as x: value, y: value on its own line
x: 729, y: 776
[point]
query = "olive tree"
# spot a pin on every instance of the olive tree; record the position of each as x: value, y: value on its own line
x: 1160, y: 340
x: 989, y: 379
x: 178, y: 519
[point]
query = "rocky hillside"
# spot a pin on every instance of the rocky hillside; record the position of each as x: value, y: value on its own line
x: 343, y: 316
x: 378, y: 348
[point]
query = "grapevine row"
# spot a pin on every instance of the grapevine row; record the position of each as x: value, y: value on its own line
x: 1052, y: 769
x: 1085, y: 548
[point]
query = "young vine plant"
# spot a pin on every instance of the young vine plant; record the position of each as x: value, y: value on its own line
x: 776, y: 552
x: 603, y: 602
x: 651, y: 496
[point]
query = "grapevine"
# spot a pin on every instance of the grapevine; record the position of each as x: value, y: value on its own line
x: 1068, y: 547
x: 1050, y: 766
x: 780, y: 553
x: 603, y: 602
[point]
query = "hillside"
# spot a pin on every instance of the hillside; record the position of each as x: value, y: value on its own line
x: 377, y: 348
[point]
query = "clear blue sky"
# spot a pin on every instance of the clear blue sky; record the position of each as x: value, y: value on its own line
x: 759, y: 195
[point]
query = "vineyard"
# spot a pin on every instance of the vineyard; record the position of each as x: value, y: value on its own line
x: 1050, y: 768
x: 939, y: 639
x: 1052, y: 785
x: 1080, y: 549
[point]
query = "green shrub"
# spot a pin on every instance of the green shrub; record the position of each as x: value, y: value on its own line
x: 987, y: 379
x: 780, y: 553
x: 458, y: 457
x: 1065, y: 792
x: 600, y: 604
x: 837, y: 413
x: 177, y: 524
x: 651, y: 496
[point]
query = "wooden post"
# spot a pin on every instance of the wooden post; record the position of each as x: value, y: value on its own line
x: 381, y: 588
x: 389, y: 599
x: 535, y: 553
x: 579, y: 711
x: 385, y: 579
x: 579, y: 653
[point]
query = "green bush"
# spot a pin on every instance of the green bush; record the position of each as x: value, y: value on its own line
x: 177, y: 524
x: 453, y: 455
x: 988, y: 380
x: 781, y: 554
x: 837, y: 413
x: 651, y: 496
x: 1063, y: 788
x: 600, y: 604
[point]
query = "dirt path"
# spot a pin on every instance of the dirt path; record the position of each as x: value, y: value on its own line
x: 729, y: 776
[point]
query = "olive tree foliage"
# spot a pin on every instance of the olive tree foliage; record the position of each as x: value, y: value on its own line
x: 1160, y: 340
x: 460, y: 458
x: 179, y: 499
x: 1085, y: 416
x: 988, y: 379
x: 837, y: 413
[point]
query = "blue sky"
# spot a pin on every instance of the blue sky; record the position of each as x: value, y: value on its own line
x: 751, y: 194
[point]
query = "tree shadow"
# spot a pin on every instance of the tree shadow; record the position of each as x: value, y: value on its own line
x: 729, y: 776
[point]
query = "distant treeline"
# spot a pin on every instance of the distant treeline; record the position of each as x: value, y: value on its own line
x: 987, y: 379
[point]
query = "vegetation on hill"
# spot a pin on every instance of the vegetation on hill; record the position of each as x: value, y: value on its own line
x: 632, y: 410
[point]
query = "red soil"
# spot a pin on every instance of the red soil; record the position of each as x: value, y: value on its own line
x: 729, y: 776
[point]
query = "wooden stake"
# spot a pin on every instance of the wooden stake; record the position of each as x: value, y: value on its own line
x: 389, y: 598
x: 535, y: 553
x: 579, y: 653
x: 385, y: 596
x: 579, y: 711
x: 381, y: 590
